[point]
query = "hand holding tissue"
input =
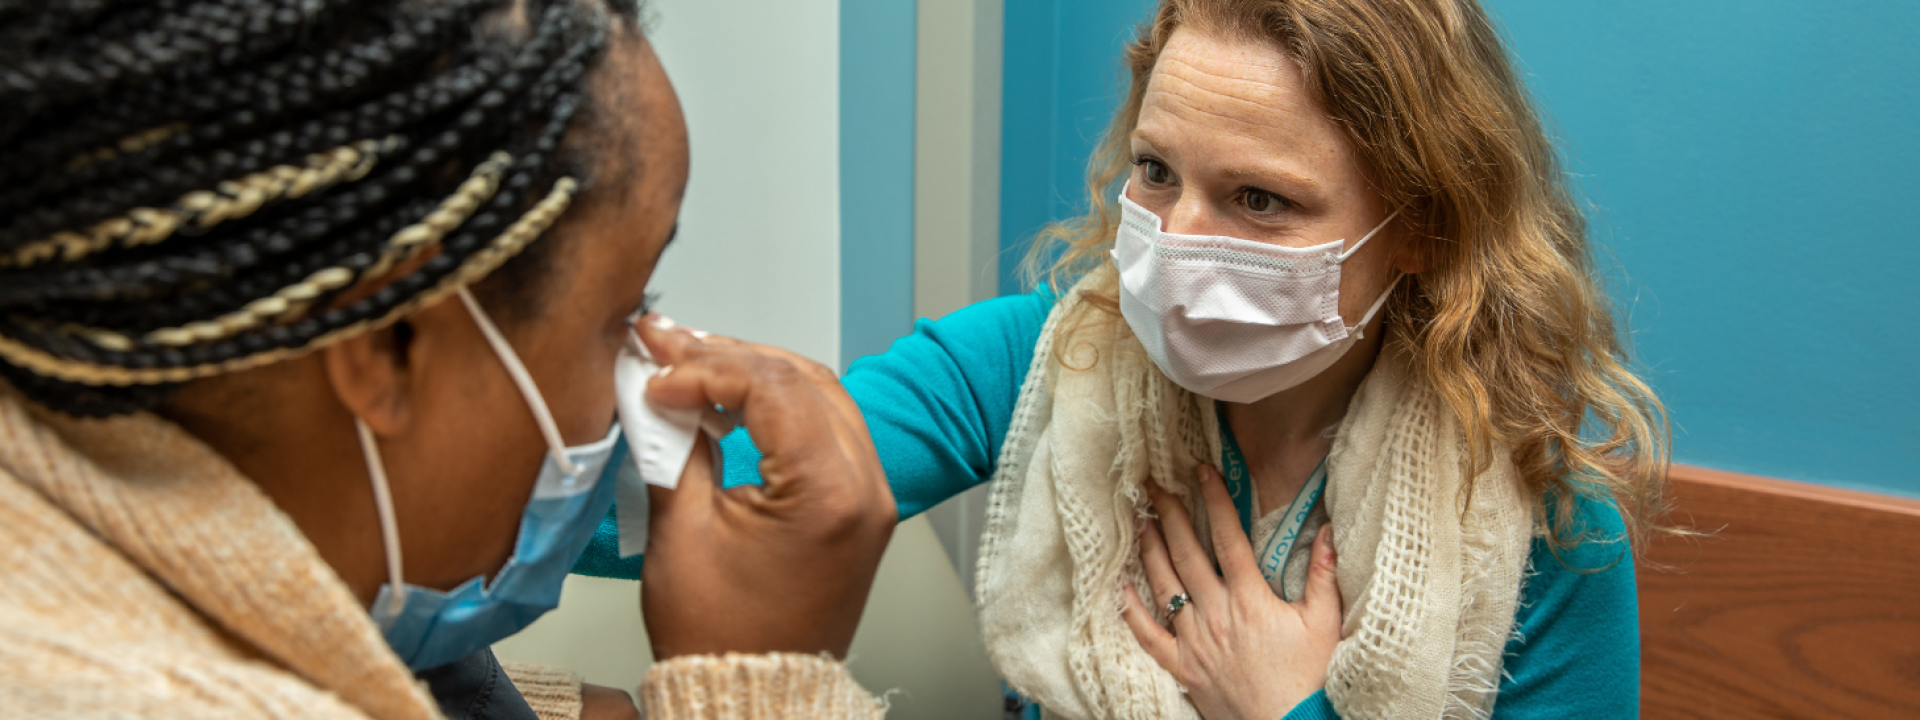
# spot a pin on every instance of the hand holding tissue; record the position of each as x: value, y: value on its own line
x: 780, y: 567
x: 660, y: 440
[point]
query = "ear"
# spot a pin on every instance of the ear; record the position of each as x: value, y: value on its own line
x: 1411, y: 255
x: 371, y: 377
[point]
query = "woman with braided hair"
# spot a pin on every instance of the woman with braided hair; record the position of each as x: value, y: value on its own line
x: 310, y: 314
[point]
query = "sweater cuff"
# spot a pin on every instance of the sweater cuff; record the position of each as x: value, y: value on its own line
x: 1315, y: 707
x: 751, y: 687
x: 553, y: 693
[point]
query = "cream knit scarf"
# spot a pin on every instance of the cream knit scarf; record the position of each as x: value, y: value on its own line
x: 1430, y: 574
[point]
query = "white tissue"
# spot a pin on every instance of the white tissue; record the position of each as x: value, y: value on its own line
x: 660, y: 441
x: 631, y: 507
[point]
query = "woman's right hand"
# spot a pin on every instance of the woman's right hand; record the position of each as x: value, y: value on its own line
x: 1237, y: 649
x: 783, y: 567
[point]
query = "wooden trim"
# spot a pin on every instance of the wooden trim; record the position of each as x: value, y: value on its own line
x: 1804, y: 601
x: 1873, y: 502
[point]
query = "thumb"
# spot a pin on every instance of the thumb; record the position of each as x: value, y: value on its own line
x: 1322, y: 598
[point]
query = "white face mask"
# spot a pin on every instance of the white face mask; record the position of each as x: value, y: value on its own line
x: 1233, y: 319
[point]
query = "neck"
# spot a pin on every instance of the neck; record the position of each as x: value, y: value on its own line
x: 303, y: 476
x: 1285, y: 435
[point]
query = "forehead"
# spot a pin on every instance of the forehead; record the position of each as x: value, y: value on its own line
x: 1247, y: 78
x: 641, y: 158
x: 640, y: 141
x: 1244, y: 99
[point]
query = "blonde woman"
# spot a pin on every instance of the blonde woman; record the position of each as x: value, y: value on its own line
x: 1330, y: 252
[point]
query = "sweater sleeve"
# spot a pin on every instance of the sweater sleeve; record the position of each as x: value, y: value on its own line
x: 937, y: 403
x: 1577, y: 649
x: 1315, y: 707
x: 552, y: 693
x: 752, y: 687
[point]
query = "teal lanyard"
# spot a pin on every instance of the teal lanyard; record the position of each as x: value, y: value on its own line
x: 1233, y: 466
x: 1278, y: 547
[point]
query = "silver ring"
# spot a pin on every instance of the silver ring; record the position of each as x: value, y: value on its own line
x: 1178, y: 602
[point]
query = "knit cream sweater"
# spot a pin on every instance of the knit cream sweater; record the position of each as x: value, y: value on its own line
x: 142, y: 576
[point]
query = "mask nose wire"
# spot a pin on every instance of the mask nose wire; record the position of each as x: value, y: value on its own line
x: 1369, y: 236
x: 389, y: 527
x: 542, y: 416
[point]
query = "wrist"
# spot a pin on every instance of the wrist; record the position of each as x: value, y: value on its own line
x: 1314, y: 707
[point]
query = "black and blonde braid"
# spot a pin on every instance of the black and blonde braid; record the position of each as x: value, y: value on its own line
x: 193, y: 185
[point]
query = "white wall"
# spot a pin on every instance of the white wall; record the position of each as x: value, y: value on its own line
x: 757, y: 257
x: 758, y: 251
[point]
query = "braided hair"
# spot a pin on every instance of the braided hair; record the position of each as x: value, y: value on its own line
x: 191, y: 187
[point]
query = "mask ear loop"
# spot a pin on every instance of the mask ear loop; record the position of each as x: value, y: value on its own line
x: 1360, y: 331
x: 389, y: 527
x: 1369, y: 236
x: 521, y: 378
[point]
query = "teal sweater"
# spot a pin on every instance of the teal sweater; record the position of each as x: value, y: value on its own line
x: 939, y: 402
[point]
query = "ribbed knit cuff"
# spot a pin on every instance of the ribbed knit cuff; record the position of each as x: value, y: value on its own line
x: 553, y: 693
x: 752, y: 687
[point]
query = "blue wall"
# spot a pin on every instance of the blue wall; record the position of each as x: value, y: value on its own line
x: 1750, y: 168
x: 876, y: 174
x: 1061, y: 82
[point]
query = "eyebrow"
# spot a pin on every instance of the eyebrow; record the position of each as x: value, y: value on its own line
x: 1300, y: 183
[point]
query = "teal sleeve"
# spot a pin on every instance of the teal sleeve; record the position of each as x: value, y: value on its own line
x: 1577, y: 650
x: 1315, y: 707
x: 937, y: 403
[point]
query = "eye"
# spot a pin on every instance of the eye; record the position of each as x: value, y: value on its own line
x: 647, y: 302
x: 1153, y: 171
x: 1261, y: 201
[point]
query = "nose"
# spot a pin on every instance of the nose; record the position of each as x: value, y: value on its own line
x: 1190, y: 214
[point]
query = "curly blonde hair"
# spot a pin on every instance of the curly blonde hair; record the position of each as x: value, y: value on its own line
x: 1509, y: 321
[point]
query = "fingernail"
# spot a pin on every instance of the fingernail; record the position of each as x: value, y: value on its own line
x: 700, y: 334
x: 661, y: 322
x: 663, y: 372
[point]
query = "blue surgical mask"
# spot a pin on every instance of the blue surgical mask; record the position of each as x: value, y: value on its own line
x: 429, y: 628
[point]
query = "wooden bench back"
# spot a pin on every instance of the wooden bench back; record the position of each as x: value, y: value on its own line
x: 1804, y: 604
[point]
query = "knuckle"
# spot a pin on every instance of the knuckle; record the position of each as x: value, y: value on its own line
x: 1220, y: 624
x: 781, y: 370
x: 692, y: 348
x: 886, y: 513
x: 1192, y: 674
x: 1192, y: 556
x: 838, y: 511
x: 822, y: 374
